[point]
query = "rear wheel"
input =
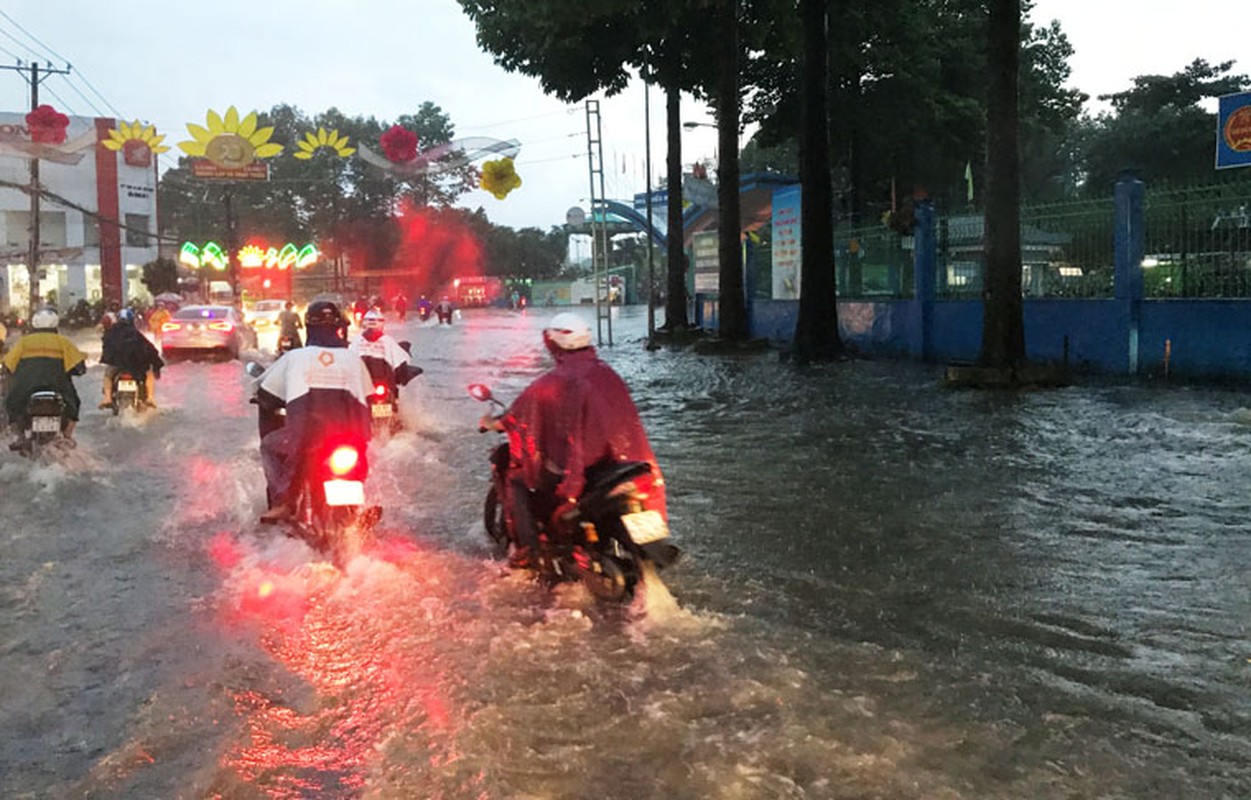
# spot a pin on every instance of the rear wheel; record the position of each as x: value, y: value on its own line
x: 607, y: 580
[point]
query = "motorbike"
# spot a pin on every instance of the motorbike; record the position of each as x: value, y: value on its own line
x: 384, y: 401
x: 445, y: 315
x: 129, y: 392
x: 286, y: 343
x: 44, y: 424
x: 609, y: 541
x: 330, y: 513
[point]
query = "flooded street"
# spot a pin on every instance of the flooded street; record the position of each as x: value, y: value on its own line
x: 890, y: 590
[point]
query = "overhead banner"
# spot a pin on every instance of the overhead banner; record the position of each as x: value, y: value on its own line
x: 256, y: 171
x: 1233, y: 131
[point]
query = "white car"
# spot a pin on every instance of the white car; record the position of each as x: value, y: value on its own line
x: 264, y: 314
x: 218, y: 329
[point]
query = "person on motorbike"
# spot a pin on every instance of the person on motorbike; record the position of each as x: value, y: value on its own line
x: 324, y: 388
x: 128, y: 350
x: 386, y: 360
x: 577, y: 415
x: 444, y: 309
x: 289, y: 325
x: 424, y: 308
x: 43, y: 359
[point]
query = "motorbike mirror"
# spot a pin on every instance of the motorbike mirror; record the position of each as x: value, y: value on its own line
x: 480, y: 391
x: 407, y: 346
x: 254, y: 369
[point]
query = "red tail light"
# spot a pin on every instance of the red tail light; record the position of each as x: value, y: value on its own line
x: 343, y: 460
x: 171, y: 326
x: 222, y: 326
x: 380, y: 390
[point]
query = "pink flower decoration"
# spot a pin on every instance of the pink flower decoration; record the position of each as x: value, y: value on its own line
x: 47, y: 125
x: 399, y: 145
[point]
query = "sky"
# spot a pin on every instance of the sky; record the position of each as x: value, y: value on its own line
x: 168, y: 64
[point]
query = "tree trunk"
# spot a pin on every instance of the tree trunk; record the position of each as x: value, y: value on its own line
x: 732, y: 306
x: 816, y: 328
x: 675, y: 295
x: 1003, y: 326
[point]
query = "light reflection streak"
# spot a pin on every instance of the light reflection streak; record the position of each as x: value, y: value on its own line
x: 356, y: 641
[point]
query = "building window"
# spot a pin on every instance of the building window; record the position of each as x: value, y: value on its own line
x: 137, y: 230
x: 52, y: 228
x: 91, y: 231
x: 17, y: 230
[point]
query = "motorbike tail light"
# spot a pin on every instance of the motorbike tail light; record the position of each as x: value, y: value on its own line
x: 343, y: 460
x: 171, y: 326
x: 222, y: 326
x: 380, y: 390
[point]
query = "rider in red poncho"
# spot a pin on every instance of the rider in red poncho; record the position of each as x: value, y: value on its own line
x: 575, y: 416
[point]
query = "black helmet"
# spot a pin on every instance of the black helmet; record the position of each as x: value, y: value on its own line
x: 323, y: 313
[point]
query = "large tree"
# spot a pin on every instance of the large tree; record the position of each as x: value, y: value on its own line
x: 1003, y: 327
x: 1158, y: 129
x: 576, y: 50
x: 816, y: 327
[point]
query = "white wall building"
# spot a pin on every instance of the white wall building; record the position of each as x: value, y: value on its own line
x: 84, y: 252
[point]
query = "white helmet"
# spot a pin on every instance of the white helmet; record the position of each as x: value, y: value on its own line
x: 373, y: 320
x: 568, y: 331
x: 45, y: 319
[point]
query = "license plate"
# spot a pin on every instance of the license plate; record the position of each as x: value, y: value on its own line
x: 382, y: 410
x: 344, y: 493
x: 645, y: 527
x: 45, y: 424
x: 127, y: 386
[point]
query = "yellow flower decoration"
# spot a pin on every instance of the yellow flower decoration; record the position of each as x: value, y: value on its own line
x: 499, y: 177
x: 137, y: 132
x: 229, y: 141
x: 333, y: 140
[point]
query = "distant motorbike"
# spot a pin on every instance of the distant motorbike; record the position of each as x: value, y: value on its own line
x: 286, y: 343
x: 608, y: 542
x: 423, y: 313
x: 129, y: 393
x: 384, y: 401
x: 330, y: 512
x: 444, y: 313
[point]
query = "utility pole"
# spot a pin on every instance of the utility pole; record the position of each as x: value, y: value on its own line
x: 33, y: 272
x: 651, y: 250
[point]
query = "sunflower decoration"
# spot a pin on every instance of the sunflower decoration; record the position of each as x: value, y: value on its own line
x: 499, y: 177
x: 229, y: 141
x: 314, y: 141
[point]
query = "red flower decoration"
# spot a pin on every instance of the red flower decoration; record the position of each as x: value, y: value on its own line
x: 47, y: 125
x: 399, y: 145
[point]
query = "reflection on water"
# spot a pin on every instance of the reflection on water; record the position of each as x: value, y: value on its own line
x: 890, y: 590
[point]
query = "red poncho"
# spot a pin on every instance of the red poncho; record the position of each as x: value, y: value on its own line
x: 575, y: 415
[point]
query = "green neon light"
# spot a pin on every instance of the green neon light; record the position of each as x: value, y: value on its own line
x: 287, y: 256
x: 307, y: 257
x: 189, y: 256
x: 271, y: 258
x: 214, y: 256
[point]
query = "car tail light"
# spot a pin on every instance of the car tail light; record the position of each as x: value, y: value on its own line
x: 380, y: 390
x: 343, y: 460
x: 222, y: 326
x: 171, y: 326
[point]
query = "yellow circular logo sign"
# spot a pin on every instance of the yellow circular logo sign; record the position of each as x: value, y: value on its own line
x: 1237, y: 130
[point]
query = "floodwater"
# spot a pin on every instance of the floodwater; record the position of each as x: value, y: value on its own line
x: 890, y: 590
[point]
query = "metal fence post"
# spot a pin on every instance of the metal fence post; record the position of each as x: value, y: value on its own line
x: 1129, y: 246
x: 925, y: 272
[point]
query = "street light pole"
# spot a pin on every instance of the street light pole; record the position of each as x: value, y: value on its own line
x: 651, y: 258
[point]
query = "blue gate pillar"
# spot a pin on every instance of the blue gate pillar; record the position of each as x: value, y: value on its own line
x: 925, y: 273
x: 1129, y: 246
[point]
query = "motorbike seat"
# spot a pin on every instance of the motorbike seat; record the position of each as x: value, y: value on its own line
x: 602, y: 476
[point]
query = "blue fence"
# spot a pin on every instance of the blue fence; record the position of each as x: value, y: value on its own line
x: 1125, y: 331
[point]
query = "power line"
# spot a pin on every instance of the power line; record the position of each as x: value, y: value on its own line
x: 86, y: 99
x: 33, y: 38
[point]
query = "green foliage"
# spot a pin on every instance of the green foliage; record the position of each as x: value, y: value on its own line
x: 160, y: 276
x: 1158, y: 129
